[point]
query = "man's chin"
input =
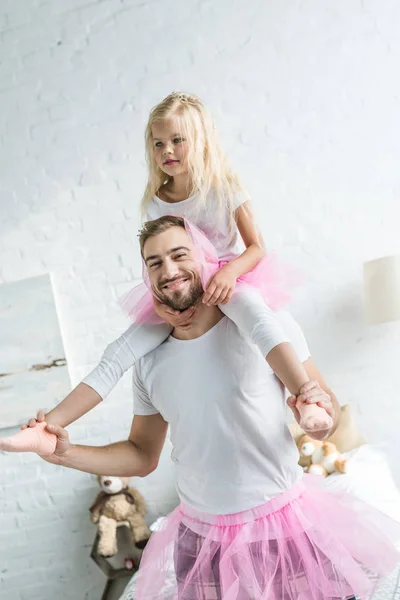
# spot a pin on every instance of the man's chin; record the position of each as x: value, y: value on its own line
x: 181, y: 304
x: 181, y: 299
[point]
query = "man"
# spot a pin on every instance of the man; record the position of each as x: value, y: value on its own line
x: 174, y: 274
x: 225, y: 407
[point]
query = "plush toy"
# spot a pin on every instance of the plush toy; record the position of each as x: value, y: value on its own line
x: 320, y: 458
x: 115, y: 505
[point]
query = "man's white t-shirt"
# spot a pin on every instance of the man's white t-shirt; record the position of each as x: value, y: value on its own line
x: 226, y: 410
x: 216, y: 227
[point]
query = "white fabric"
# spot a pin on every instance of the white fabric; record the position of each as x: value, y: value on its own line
x: 207, y: 219
x: 370, y: 479
x: 226, y: 409
x: 247, y: 309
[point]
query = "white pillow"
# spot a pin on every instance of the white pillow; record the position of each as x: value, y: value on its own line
x: 369, y: 478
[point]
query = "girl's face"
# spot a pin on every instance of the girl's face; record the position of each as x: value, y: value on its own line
x: 170, y: 150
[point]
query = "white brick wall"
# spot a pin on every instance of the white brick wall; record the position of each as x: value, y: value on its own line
x: 306, y: 95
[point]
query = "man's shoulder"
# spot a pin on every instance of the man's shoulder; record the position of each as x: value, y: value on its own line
x: 284, y: 317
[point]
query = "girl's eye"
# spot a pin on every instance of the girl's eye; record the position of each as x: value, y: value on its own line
x: 158, y: 144
x: 177, y: 140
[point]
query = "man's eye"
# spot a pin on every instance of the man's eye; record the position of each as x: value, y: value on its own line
x: 182, y: 255
x: 154, y: 265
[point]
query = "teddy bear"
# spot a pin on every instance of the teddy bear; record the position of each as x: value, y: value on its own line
x: 320, y: 458
x: 115, y: 505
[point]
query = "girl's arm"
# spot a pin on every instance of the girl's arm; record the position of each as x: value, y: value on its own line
x: 118, y: 357
x: 252, y: 239
x: 221, y: 287
x: 78, y: 402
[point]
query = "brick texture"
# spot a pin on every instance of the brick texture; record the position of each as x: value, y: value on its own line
x: 306, y: 98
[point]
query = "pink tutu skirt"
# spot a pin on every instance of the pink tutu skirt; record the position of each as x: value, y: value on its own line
x: 306, y: 544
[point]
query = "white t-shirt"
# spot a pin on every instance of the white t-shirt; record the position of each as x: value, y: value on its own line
x: 226, y: 410
x: 207, y: 219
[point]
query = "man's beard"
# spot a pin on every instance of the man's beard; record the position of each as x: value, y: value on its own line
x: 179, y: 301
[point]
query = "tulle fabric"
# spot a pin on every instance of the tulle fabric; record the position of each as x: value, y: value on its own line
x: 306, y: 544
x: 270, y: 278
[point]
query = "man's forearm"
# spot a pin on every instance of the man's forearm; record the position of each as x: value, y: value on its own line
x: 337, y: 411
x: 122, y: 459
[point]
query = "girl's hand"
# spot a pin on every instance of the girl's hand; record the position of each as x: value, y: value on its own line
x: 40, y: 417
x: 183, y: 319
x: 221, y: 287
x: 312, y: 393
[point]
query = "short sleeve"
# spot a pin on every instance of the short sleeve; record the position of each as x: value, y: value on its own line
x: 149, y: 214
x: 141, y: 400
x: 295, y: 335
x: 239, y: 200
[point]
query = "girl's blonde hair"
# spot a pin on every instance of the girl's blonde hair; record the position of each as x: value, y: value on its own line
x: 208, y: 167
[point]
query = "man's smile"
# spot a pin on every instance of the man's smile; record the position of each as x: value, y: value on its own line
x: 175, y: 283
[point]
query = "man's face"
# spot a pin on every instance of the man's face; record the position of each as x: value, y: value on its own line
x: 173, y: 273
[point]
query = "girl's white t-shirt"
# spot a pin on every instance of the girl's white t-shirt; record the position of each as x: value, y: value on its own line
x: 226, y: 410
x: 215, y: 227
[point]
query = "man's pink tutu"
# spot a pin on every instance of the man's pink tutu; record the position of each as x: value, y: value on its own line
x: 271, y: 279
x: 306, y: 544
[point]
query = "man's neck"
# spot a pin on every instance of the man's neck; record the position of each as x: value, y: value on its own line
x: 204, y: 319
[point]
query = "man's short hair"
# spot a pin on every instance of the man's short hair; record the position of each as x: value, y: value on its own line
x: 153, y: 228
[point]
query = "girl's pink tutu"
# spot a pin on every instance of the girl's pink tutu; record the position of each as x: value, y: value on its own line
x: 271, y: 279
x: 306, y: 544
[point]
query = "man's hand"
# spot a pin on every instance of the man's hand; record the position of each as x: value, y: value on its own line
x: 312, y: 393
x: 183, y: 319
x: 62, y: 447
x: 221, y: 287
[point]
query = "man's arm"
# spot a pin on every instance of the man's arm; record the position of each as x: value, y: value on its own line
x: 135, y: 457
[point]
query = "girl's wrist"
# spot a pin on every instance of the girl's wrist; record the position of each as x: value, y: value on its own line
x: 232, y: 268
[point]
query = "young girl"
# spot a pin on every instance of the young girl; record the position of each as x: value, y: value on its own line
x: 189, y: 176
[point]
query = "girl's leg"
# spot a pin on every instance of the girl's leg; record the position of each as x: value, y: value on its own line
x: 256, y: 320
x: 34, y: 439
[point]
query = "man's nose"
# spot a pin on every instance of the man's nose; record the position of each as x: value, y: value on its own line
x: 170, y: 268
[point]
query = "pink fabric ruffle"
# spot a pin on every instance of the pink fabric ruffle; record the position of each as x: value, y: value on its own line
x: 270, y: 278
x: 306, y: 544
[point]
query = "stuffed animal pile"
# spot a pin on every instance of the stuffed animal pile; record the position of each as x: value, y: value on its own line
x: 320, y: 458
